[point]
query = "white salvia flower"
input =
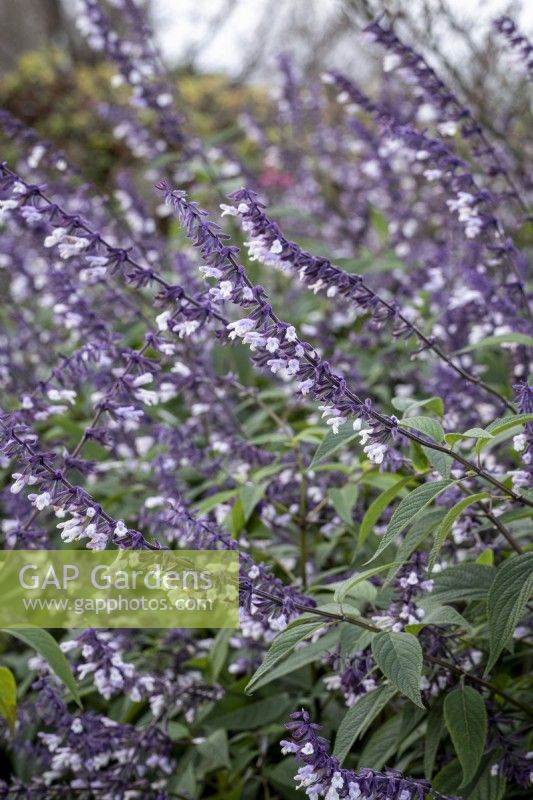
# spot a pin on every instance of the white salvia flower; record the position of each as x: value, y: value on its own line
x: 240, y: 327
x: 447, y: 128
x: 293, y: 366
x: 162, y: 319
x: 520, y: 442
x: 272, y: 344
x: 143, y: 379
x: 242, y: 208
x: 225, y: 289
x: 5, y: 206
x: 62, y: 394
x: 41, y: 501
x: 336, y: 423
x: 376, y: 452
x: 305, y: 386
x: 254, y: 340
x: 227, y: 210
x: 276, y: 247
x: 97, y: 261
x: 120, y: 529
x: 307, y: 749
x: 77, y: 726
x: 55, y: 237
x: 364, y: 435
x: 147, y: 397
x: 290, y: 334
x: 186, y: 328
x: 210, y: 272
x: 276, y: 364
x: 72, y: 245
x: 391, y: 61
x: 129, y: 412
x: 21, y: 481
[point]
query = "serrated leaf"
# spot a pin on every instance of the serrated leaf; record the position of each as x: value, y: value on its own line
x: 250, y: 495
x: 399, y: 657
x: 409, y: 509
x: 471, y: 433
x: 218, y: 652
x: 377, y: 507
x: 500, y: 338
x: 441, y: 462
x: 488, y: 786
x: 47, y: 647
x: 8, y: 697
x: 381, y: 744
x: 254, y: 715
x: 426, y: 425
x: 447, y: 523
x: 466, y: 720
x: 405, y: 404
x: 502, y: 425
x: 211, y: 502
x: 350, y: 583
x: 462, y: 582
x: 434, y: 731
x: 343, y: 501
x: 359, y: 717
x: 507, y: 600
x: 333, y: 442
x: 271, y: 669
x: 439, y: 615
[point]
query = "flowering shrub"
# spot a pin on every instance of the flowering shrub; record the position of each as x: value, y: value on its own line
x: 326, y: 371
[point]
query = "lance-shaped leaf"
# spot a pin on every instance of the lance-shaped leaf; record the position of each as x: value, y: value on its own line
x: 399, y: 657
x: 507, y: 599
x: 409, y: 510
x: 447, y: 523
x: 8, y: 697
x: 466, y: 719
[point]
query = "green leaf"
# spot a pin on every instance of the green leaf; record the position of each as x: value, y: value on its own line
x: 405, y: 404
x: 219, y: 651
x: 399, y: 657
x: 343, y: 501
x: 426, y: 425
x: 382, y: 744
x: 439, y: 615
x: 441, y: 462
x: 359, y: 717
x: 346, y: 586
x: 447, y: 523
x: 270, y: 669
x: 466, y: 720
x: 503, y: 425
x: 333, y: 442
x: 434, y: 731
x: 8, y: 697
x: 376, y: 508
x: 47, y: 647
x: 500, y: 338
x: 214, y: 751
x: 412, y: 540
x: 486, y: 557
x: 214, y: 500
x: 488, y: 786
x: 507, y: 600
x: 254, y: 715
x: 250, y: 495
x: 409, y: 509
x: 462, y: 582
x: 471, y: 433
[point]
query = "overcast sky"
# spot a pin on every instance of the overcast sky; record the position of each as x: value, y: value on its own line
x: 181, y: 23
